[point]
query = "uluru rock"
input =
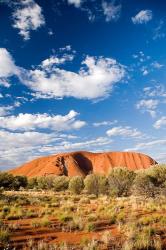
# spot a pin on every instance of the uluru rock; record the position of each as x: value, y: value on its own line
x: 82, y: 163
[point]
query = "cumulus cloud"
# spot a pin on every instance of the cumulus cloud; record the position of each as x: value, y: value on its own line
x: 126, y: 131
x: 111, y: 11
x: 143, y: 16
x: 7, y: 65
x: 149, y: 106
x: 160, y: 123
x: 104, y: 123
x: 94, y: 80
x: 147, y: 145
x: 19, y: 147
x: 26, y: 122
x: 156, y: 91
x: 48, y: 63
x: 5, y: 110
x: 27, y: 16
x: 76, y: 3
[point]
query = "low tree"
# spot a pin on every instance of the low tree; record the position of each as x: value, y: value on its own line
x: 45, y: 182
x: 32, y: 183
x: 76, y: 184
x: 6, y: 180
x: 158, y: 174
x: 96, y: 184
x: 143, y: 186
x: 61, y: 183
x: 19, y: 181
x: 120, y: 181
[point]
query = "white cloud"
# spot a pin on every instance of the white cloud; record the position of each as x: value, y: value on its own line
x: 157, y: 65
x: 159, y: 31
x: 143, y: 16
x: 149, y: 106
x: 47, y: 64
x: 95, y: 80
x: 156, y: 91
x: 147, y: 145
x: 17, y: 148
x: 100, y: 141
x: 104, y: 123
x: 5, y: 110
x: 27, y: 16
x: 26, y: 122
x: 7, y: 65
x: 124, y: 131
x: 111, y: 11
x: 76, y: 3
x: 160, y: 123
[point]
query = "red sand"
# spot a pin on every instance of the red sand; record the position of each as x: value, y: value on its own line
x: 82, y: 163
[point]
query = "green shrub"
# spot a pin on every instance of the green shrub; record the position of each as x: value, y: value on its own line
x: 143, y: 186
x: 76, y: 184
x: 90, y: 227
x: 96, y: 184
x: 60, y: 183
x: 19, y: 182
x: 32, y: 183
x: 158, y: 174
x: 45, y: 182
x: 6, y: 180
x: 4, y: 236
x: 120, y: 180
x: 65, y: 218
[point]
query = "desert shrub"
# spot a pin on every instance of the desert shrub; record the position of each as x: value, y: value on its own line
x: 158, y: 174
x: 90, y: 227
x: 19, y: 181
x: 4, y: 236
x: 45, y: 182
x: 120, y: 180
x: 143, y: 186
x: 35, y: 223
x: 65, y: 217
x: 142, y: 238
x: 60, y: 183
x: 9, y: 182
x: 32, y: 183
x: 76, y: 184
x: 45, y: 222
x: 6, y: 180
x: 96, y: 184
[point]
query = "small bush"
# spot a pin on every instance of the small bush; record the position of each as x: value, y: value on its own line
x: 32, y: 183
x: 158, y: 174
x: 4, y: 236
x: 120, y: 180
x: 96, y: 184
x: 65, y: 218
x: 60, y: 183
x: 19, y: 182
x: 143, y: 186
x: 76, y: 184
x: 90, y: 227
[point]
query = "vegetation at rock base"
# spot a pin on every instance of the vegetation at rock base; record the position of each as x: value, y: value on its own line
x: 125, y: 210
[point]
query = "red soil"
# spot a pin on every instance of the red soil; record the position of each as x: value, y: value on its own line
x: 82, y: 163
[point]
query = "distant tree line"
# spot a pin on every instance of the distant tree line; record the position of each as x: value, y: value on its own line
x: 120, y: 182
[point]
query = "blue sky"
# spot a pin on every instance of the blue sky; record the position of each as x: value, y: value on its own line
x: 81, y: 75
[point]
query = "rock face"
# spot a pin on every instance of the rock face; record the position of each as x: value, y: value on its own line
x: 82, y: 163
